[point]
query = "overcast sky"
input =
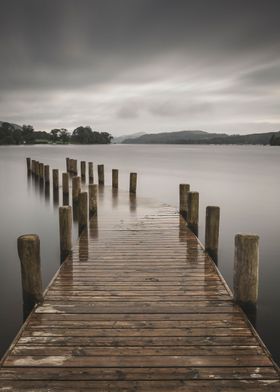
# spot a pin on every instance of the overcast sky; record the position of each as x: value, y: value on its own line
x: 126, y: 66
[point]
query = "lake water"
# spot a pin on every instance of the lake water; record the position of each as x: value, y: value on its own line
x: 242, y: 180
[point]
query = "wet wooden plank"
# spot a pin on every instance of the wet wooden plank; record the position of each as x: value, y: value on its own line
x: 139, y: 307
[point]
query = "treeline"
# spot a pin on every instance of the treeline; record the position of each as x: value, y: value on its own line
x: 15, y: 134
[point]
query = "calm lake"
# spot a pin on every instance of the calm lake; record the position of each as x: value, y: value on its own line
x: 242, y: 180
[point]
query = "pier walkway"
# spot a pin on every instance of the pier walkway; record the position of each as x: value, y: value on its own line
x: 139, y: 306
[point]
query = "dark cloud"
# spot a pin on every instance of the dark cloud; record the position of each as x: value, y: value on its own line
x: 66, y: 61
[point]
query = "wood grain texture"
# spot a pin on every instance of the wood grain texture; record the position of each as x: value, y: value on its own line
x: 138, y: 306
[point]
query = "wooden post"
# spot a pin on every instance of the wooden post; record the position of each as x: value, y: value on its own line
x: 83, y: 211
x: 33, y: 167
x: 100, y: 170
x: 76, y: 188
x: 41, y: 171
x: 83, y: 170
x: 47, y: 174
x: 133, y: 182
x: 90, y: 173
x: 246, y: 270
x: 193, y: 211
x: 29, y: 255
x: 92, y: 195
x: 67, y: 165
x: 55, y: 179
x: 65, y: 183
x: 183, y: 190
x: 212, y: 223
x: 115, y: 178
x: 37, y: 170
x: 75, y: 167
x: 65, y: 230
x: 28, y: 164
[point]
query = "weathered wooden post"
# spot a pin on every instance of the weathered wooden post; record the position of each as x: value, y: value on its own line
x: 76, y: 188
x: 47, y: 174
x: 133, y: 182
x: 90, y: 173
x: 115, y: 178
x: 246, y: 270
x: 83, y: 170
x: 65, y: 230
x: 100, y: 170
x: 83, y: 211
x: 29, y: 255
x: 55, y: 179
x: 33, y: 167
x: 41, y: 171
x: 183, y: 190
x: 37, y: 169
x: 28, y: 164
x: 67, y: 165
x: 193, y: 211
x: 92, y: 195
x: 212, y: 224
x: 75, y: 167
x: 65, y: 188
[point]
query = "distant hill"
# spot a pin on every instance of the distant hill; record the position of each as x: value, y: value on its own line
x: 120, y: 139
x: 202, y: 137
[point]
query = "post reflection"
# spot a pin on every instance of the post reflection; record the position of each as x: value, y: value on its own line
x: 132, y: 202
x: 93, y: 227
x: 115, y: 193
x: 55, y: 197
x: 83, y: 246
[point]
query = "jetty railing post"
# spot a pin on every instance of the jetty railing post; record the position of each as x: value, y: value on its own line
x: 183, y: 191
x: 246, y: 270
x: 83, y: 170
x: 100, y: 170
x: 29, y: 255
x: 90, y: 173
x: 55, y: 179
x: 47, y: 174
x: 83, y: 211
x: 65, y: 188
x: 65, y: 230
x: 41, y: 172
x: 92, y: 196
x: 193, y: 211
x: 212, y: 224
x: 28, y: 164
x: 115, y: 178
x: 133, y: 182
x: 76, y: 189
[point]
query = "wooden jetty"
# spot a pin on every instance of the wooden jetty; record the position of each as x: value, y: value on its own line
x: 138, y: 306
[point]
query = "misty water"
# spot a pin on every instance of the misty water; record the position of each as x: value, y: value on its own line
x: 242, y: 180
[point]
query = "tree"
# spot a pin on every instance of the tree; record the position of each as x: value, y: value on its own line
x: 28, y: 134
x: 275, y: 139
x: 85, y: 135
x: 64, y: 136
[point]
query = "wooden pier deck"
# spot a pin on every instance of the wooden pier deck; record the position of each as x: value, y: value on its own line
x: 139, y: 306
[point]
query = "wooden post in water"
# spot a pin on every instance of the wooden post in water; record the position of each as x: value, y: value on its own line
x: 28, y: 164
x: 115, y: 178
x: 55, y: 179
x: 90, y: 173
x: 83, y: 211
x: 100, y: 170
x: 29, y: 255
x: 193, y: 211
x: 83, y: 170
x: 41, y: 171
x: 92, y: 195
x: 133, y: 183
x: 33, y: 167
x: 47, y: 174
x: 76, y: 188
x: 37, y: 170
x: 65, y: 188
x: 246, y: 270
x: 183, y: 190
x: 75, y: 167
x: 212, y: 223
x: 67, y: 165
x: 65, y: 230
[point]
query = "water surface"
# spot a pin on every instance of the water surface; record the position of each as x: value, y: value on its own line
x: 242, y: 180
